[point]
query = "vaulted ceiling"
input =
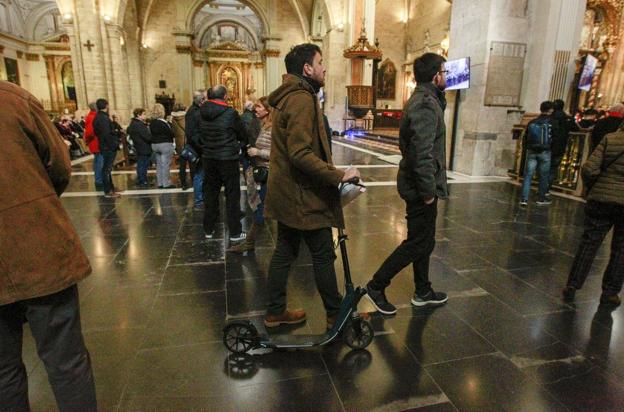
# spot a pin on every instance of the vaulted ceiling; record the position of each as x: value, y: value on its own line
x: 35, y: 20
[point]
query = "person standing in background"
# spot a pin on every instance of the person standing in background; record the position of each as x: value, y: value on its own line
x: 178, y: 116
x: 94, y: 147
x: 192, y: 121
x: 162, y: 145
x: 139, y: 132
x: 103, y: 129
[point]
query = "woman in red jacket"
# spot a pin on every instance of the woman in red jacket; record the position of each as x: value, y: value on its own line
x: 94, y: 147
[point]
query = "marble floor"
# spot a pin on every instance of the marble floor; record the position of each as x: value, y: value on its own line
x: 154, y: 308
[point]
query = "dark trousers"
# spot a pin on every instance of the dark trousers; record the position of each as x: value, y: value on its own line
x: 554, y: 168
x: 321, y: 245
x: 55, y: 324
x: 107, y: 170
x: 217, y: 174
x: 600, y: 218
x: 143, y: 162
x: 416, y: 249
x: 182, y: 171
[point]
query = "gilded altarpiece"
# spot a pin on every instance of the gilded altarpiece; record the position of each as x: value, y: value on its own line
x: 60, y: 79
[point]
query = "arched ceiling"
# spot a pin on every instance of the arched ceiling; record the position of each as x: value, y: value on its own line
x: 34, y: 20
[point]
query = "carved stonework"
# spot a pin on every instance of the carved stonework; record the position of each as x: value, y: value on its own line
x: 20, y: 54
x: 56, y: 46
x: 259, y: 65
x: 270, y: 53
x: 183, y: 49
x: 198, y: 63
x: 1, y: 48
x: 33, y: 57
x: 228, y: 54
x: 229, y: 45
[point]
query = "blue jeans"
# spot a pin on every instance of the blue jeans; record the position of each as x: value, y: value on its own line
x: 107, y: 169
x: 98, y: 164
x: 198, y: 182
x: 540, y: 161
x: 259, y: 213
x: 143, y: 162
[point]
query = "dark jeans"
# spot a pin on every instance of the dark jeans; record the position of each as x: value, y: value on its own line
x: 259, y: 213
x: 555, y: 162
x: 416, y: 249
x: 98, y: 163
x: 183, y: 163
x: 107, y: 170
x: 541, y: 162
x: 219, y: 173
x: 55, y: 324
x: 600, y: 218
x: 321, y: 245
x: 143, y: 162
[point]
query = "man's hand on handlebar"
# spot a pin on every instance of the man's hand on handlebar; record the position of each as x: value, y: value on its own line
x: 351, y: 175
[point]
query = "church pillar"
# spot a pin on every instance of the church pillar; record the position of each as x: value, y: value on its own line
x: 119, y: 74
x: 335, y: 77
x: 258, y: 75
x: 185, y: 64
x: 77, y: 66
x: 273, y: 61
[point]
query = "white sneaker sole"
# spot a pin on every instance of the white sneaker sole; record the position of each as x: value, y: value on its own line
x: 380, y: 310
x: 429, y: 302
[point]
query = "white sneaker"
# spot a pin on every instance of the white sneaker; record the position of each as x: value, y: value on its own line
x: 210, y: 235
x: 239, y: 237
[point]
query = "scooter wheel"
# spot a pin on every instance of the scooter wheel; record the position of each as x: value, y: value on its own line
x: 240, y: 337
x: 358, y: 334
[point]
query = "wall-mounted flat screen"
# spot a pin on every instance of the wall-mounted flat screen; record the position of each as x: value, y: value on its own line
x: 457, y: 73
x: 587, y: 76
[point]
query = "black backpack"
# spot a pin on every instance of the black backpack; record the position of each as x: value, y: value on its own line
x: 539, y: 135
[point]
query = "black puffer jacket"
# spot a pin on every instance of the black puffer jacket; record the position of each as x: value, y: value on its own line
x: 221, y: 131
x: 141, y: 137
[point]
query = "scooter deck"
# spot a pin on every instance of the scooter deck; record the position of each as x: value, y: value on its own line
x: 295, y: 341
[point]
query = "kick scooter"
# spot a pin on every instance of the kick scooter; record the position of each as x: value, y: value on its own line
x: 241, y: 336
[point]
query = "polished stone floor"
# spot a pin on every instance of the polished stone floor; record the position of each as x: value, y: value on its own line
x: 160, y: 294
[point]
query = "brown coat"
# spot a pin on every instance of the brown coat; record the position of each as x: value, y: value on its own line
x: 40, y: 252
x: 177, y: 123
x: 303, y: 182
x: 609, y: 188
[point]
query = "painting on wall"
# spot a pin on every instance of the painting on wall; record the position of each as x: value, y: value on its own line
x: 386, y: 80
x: 229, y: 78
x: 12, y: 71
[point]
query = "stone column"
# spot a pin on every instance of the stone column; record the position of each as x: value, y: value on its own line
x: 119, y: 78
x: 185, y: 63
x: 338, y: 71
x: 78, y: 67
x: 274, y: 63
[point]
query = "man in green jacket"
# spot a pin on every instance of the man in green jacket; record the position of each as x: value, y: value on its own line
x: 421, y: 181
x: 303, y: 184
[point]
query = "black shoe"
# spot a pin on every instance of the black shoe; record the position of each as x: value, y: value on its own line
x: 610, y: 300
x: 431, y: 298
x: 379, y: 301
x: 167, y: 187
x: 568, y: 293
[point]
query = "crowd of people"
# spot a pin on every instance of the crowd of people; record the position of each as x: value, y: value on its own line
x: 282, y: 142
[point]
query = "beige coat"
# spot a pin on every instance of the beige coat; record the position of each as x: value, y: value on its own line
x: 177, y: 123
x: 40, y: 252
x: 303, y: 182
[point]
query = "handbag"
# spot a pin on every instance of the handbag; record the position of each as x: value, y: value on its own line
x: 189, y: 154
x: 260, y: 174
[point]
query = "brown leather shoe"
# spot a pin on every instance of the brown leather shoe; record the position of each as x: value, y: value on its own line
x: 289, y: 317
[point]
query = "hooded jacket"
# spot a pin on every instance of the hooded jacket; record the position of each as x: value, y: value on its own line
x: 303, y: 182
x: 40, y: 251
x: 422, y: 140
x: 609, y: 187
x: 221, y: 131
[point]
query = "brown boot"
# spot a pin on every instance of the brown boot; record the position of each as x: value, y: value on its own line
x: 250, y: 241
x: 289, y: 317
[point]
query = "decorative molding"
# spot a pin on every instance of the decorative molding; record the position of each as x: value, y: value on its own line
x: 1, y: 48
x: 198, y: 63
x: 259, y: 65
x: 228, y: 54
x: 20, y: 54
x: 183, y: 48
x: 33, y: 57
x: 270, y: 53
x: 57, y: 46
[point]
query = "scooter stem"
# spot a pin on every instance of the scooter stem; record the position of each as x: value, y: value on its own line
x: 342, y: 238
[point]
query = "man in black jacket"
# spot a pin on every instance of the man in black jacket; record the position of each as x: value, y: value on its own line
x: 565, y: 124
x: 140, y: 134
x: 421, y: 181
x: 103, y: 129
x: 192, y: 121
x: 221, y: 134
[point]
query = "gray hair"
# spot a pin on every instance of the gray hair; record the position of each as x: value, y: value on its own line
x: 92, y: 106
x: 218, y: 92
x: 198, y: 95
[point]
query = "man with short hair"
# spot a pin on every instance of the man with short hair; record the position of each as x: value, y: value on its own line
x: 421, y: 181
x: 109, y: 143
x: 538, y: 144
x: 303, y: 193
x: 192, y: 122
x: 41, y: 258
x: 221, y: 133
